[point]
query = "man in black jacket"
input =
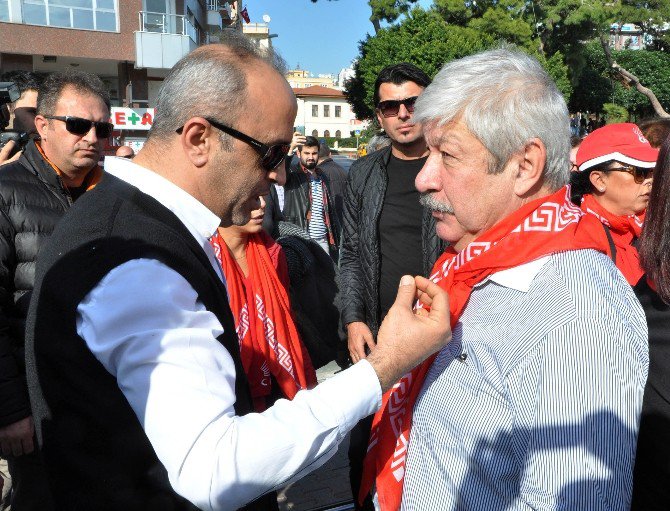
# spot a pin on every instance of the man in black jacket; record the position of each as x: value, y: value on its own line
x: 337, y: 177
x: 35, y: 192
x: 386, y: 232
x: 308, y: 199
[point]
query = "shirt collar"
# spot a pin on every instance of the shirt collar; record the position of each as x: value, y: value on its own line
x: 520, y: 277
x: 197, y: 218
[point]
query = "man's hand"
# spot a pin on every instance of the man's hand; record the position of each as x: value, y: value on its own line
x: 6, y: 151
x: 406, y: 337
x: 298, y: 139
x: 17, y: 438
x: 359, y: 335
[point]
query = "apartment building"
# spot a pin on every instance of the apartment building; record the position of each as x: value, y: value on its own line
x: 130, y: 44
x: 324, y: 112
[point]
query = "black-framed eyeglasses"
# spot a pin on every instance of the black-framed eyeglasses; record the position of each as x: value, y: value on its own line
x: 391, y: 107
x: 80, y: 126
x: 271, y: 155
x: 640, y: 174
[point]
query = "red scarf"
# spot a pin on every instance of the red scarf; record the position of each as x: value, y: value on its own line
x: 269, y: 341
x: 624, y: 230
x: 542, y: 227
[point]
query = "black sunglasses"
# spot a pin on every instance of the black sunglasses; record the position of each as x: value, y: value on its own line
x: 80, y: 126
x: 391, y: 107
x: 639, y: 173
x: 271, y: 155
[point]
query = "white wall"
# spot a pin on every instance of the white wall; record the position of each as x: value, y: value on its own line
x: 344, y: 123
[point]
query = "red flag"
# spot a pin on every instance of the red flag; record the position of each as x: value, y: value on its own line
x: 245, y: 15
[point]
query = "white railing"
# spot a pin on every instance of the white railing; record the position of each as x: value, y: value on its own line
x: 162, y: 23
x: 213, y: 5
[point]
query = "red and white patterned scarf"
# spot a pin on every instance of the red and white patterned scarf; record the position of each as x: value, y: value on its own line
x: 269, y: 341
x: 545, y: 226
x: 625, y: 230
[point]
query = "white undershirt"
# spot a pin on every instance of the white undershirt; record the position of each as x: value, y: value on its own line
x: 145, y: 324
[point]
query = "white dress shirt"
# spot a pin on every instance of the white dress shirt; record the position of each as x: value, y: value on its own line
x: 146, y: 325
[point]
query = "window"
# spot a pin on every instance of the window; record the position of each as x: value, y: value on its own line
x: 315, y: 110
x: 315, y: 133
x: 338, y: 134
x: 4, y: 10
x: 82, y: 14
x: 338, y: 111
x: 326, y: 110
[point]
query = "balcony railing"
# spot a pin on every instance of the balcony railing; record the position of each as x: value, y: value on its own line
x: 161, y: 23
x: 214, y: 5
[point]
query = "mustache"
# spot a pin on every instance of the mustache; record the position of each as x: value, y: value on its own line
x: 431, y: 203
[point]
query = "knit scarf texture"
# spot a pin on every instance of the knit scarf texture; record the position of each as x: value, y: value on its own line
x: 625, y: 230
x: 541, y: 227
x: 270, y: 345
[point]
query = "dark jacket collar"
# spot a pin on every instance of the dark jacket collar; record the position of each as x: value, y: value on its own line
x: 40, y: 166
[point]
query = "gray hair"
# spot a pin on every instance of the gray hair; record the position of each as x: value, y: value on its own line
x: 209, y: 82
x: 505, y: 99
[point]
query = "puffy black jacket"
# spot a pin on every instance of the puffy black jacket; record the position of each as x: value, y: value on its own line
x: 32, y: 201
x: 359, y: 256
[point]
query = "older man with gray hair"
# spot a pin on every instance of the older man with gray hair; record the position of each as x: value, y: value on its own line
x: 535, y: 403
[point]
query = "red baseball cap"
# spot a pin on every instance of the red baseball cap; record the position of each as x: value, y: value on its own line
x: 621, y: 142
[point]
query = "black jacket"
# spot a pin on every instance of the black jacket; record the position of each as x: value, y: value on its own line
x: 297, y: 205
x: 32, y: 201
x: 359, y: 256
x: 337, y: 178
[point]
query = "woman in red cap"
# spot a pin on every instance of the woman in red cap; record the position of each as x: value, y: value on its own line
x: 275, y: 360
x: 652, y: 465
x: 613, y: 182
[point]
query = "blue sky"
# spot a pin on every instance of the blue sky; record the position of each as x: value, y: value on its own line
x: 322, y: 37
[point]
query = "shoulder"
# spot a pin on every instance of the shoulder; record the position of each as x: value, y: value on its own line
x: 364, y: 166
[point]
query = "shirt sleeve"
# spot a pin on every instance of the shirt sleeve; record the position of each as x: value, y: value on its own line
x: 579, y: 449
x: 145, y: 324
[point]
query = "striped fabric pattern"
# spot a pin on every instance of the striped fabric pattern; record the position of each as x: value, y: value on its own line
x: 535, y: 403
x: 317, y: 224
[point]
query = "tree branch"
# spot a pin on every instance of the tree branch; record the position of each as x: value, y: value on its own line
x: 630, y: 79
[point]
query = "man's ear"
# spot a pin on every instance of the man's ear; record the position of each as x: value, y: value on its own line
x: 197, y: 142
x: 531, y: 162
x: 42, y: 126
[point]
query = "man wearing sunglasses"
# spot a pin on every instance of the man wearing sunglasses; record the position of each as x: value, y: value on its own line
x: 139, y: 391
x: 386, y: 232
x: 35, y: 192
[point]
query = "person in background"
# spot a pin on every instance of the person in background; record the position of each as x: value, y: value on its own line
x: 21, y: 112
x: 652, y: 464
x: 337, y: 178
x: 125, y: 152
x: 613, y: 182
x: 35, y: 193
x: 656, y: 130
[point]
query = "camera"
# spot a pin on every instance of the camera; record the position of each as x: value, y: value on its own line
x: 20, y: 140
x: 9, y: 92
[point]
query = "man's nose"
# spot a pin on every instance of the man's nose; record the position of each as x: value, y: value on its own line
x: 427, y: 180
x: 91, y: 135
x: 403, y: 113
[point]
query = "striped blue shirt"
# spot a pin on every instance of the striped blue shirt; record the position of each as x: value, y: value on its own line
x: 541, y: 410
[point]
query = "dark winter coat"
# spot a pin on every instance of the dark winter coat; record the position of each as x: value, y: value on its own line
x: 32, y: 201
x: 360, y: 253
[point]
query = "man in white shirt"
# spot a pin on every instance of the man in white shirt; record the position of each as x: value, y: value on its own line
x: 139, y: 396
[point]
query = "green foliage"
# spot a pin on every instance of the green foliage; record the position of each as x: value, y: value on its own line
x: 596, y: 86
x: 615, y: 113
x: 423, y: 39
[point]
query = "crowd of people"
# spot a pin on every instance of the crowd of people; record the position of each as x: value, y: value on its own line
x: 498, y: 302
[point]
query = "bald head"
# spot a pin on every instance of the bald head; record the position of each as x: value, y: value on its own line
x: 125, y: 152
x: 211, y: 81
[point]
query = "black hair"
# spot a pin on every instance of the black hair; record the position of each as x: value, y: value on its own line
x: 310, y: 141
x: 52, y: 87
x: 580, y: 182
x: 324, y: 150
x: 24, y: 80
x: 654, y: 242
x: 398, y: 74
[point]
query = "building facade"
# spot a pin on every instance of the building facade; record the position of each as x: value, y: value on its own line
x: 301, y: 79
x: 324, y: 112
x: 130, y: 44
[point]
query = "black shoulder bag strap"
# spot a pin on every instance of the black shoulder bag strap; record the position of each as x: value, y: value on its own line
x: 610, y: 240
